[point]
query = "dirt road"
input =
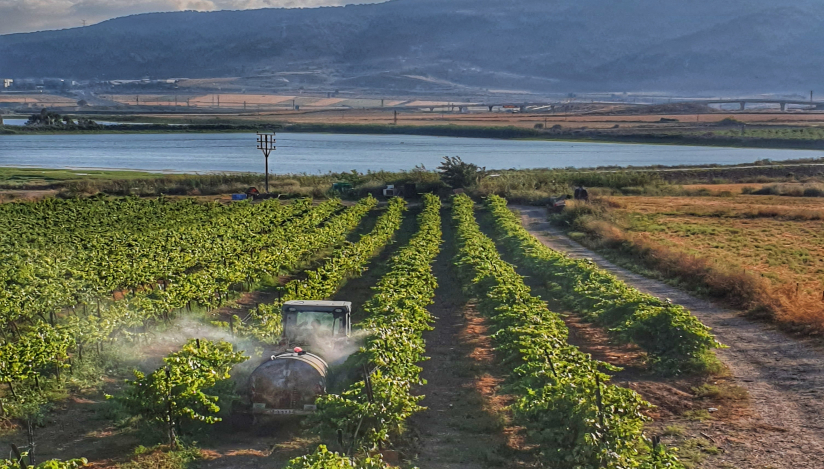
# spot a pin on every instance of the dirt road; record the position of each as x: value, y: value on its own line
x: 783, y: 375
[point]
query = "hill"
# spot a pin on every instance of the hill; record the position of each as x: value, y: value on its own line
x: 561, y: 45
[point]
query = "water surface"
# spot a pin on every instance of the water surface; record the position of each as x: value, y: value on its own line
x: 321, y: 153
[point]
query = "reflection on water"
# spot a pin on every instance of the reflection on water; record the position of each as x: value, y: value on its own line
x: 321, y: 153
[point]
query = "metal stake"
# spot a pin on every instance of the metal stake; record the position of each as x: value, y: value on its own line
x: 266, y: 144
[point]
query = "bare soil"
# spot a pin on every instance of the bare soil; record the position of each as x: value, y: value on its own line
x: 782, y: 375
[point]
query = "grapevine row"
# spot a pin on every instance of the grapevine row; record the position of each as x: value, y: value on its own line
x: 674, y: 339
x: 371, y: 412
x: 43, y: 347
x: 397, y: 318
x: 563, y: 398
x: 264, y: 322
x: 83, y: 267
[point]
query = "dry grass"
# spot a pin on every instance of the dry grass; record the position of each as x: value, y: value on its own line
x: 45, y: 99
x: 761, y: 254
x: 719, y: 188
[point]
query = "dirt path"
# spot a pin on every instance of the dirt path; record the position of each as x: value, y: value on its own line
x: 783, y: 375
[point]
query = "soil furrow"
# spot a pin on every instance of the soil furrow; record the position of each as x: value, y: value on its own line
x: 465, y: 425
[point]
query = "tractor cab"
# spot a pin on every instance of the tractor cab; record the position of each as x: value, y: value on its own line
x: 314, y: 322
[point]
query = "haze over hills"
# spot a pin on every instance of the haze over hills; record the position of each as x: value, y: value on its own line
x: 548, y: 46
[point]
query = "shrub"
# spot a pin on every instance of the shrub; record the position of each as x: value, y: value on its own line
x: 322, y: 458
x: 457, y: 173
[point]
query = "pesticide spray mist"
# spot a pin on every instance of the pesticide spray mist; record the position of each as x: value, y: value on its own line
x: 334, y: 350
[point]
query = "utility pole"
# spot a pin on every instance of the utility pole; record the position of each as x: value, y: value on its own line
x: 811, y: 95
x: 266, y: 144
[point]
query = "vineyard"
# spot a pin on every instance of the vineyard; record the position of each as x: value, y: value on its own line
x: 92, y: 287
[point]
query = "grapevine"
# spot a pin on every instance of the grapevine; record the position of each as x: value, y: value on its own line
x: 397, y: 317
x: 563, y: 397
x: 675, y: 339
x: 264, y: 323
x: 276, y: 238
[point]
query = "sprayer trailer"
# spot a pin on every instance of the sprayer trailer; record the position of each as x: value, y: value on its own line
x: 289, y: 382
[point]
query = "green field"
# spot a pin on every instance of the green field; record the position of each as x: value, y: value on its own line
x: 131, y: 327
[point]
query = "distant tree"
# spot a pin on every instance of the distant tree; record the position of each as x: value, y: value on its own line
x: 88, y: 124
x: 44, y: 118
x: 457, y: 173
x: 82, y: 103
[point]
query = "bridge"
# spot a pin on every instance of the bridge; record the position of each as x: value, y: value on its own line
x: 781, y: 102
x: 461, y: 107
x: 551, y: 106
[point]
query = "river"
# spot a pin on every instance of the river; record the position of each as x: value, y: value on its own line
x: 321, y: 153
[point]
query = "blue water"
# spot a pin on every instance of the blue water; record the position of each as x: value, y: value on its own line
x: 320, y: 153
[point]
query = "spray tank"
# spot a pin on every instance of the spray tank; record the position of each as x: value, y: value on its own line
x: 288, y: 383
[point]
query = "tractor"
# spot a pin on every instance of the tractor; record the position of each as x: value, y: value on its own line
x: 289, y: 382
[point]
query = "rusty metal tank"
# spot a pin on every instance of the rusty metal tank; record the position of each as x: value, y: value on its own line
x: 288, y: 384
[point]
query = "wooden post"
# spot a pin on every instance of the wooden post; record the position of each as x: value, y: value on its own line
x: 171, y: 423
x: 18, y: 456
x: 598, y: 401
x: 551, y: 366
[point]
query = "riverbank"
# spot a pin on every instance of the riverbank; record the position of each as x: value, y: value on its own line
x: 730, y: 134
x: 534, y: 186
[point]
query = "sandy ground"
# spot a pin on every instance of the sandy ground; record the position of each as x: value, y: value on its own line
x: 784, y: 376
x: 497, y: 119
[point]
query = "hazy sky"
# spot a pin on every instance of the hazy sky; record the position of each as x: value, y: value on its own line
x: 18, y: 16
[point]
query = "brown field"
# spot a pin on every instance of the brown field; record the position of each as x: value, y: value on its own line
x: 37, y: 98
x: 252, y: 102
x: 208, y: 100
x: 759, y: 251
x: 719, y: 188
x: 352, y: 113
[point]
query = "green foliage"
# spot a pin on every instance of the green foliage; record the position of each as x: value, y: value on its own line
x: 675, y: 339
x: 374, y: 413
x: 161, y: 457
x: 264, y: 322
x: 178, y: 391
x: 563, y: 398
x: 53, y: 120
x: 24, y: 362
x: 349, y: 260
x: 459, y: 174
x: 52, y: 464
x: 119, y: 266
x: 322, y: 458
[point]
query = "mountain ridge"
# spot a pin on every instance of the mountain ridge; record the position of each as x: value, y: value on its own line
x: 557, y: 46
